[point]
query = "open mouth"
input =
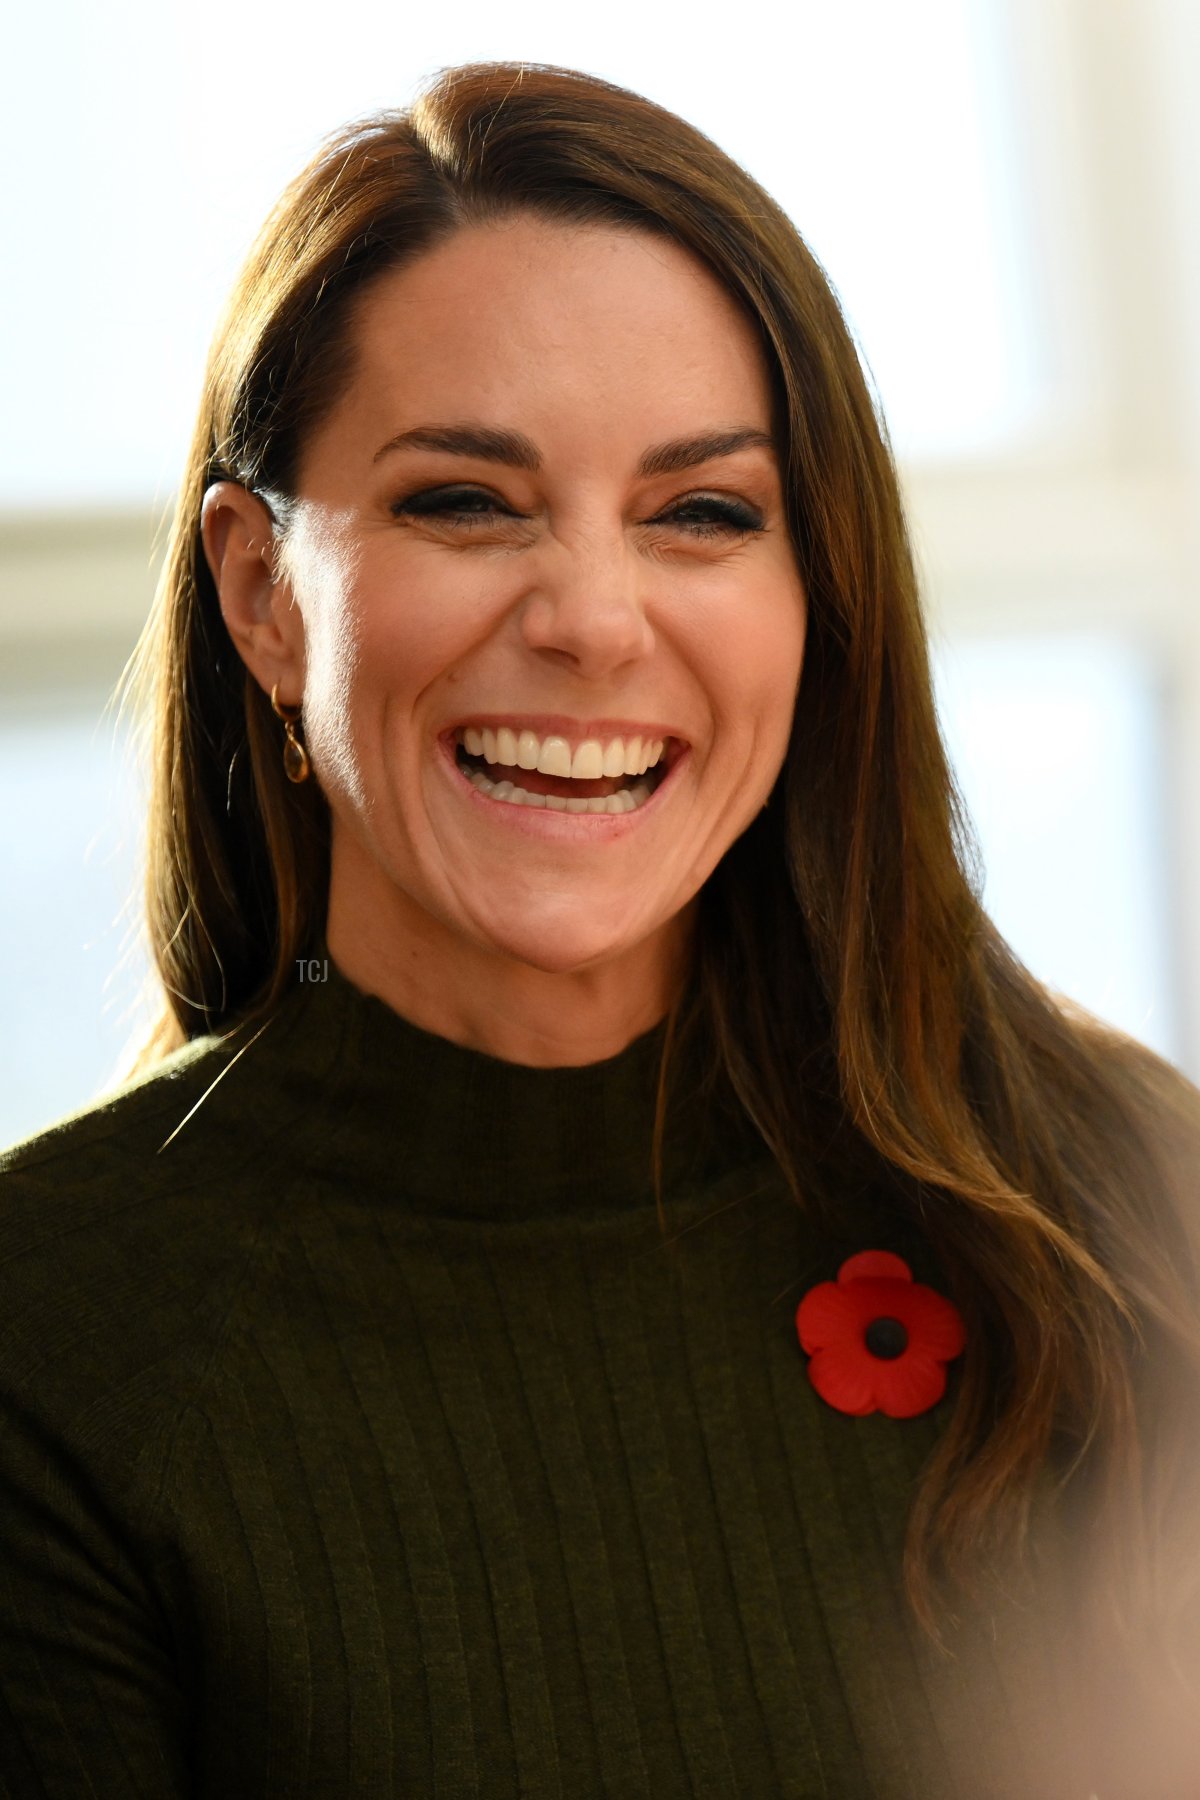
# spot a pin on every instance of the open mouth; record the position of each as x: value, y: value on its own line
x: 530, y: 787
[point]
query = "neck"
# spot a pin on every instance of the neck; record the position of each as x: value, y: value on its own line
x: 480, y: 998
x: 396, y: 1108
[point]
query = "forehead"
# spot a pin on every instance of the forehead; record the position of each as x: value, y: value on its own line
x: 531, y: 301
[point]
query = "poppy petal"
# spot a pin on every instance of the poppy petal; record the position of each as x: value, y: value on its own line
x: 939, y: 1325
x: 882, y: 1265
x: 871, y: 1299
x: 909, y: 1385
x: 827, y: 1317
x: 844, y: 1381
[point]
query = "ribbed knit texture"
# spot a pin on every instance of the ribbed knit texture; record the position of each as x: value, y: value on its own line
x: 361, y: 1436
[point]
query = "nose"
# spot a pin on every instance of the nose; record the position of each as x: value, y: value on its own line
x: 588, y: 607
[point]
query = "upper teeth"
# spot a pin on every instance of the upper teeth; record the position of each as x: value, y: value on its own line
x: 553, y: 755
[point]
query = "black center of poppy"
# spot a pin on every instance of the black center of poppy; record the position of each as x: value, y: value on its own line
x: 886, y: 1338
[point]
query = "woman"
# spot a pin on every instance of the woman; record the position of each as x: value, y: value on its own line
x: 609, y: 1276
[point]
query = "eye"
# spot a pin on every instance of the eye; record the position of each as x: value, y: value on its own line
x: 730, y: 518
x: 446, y: 504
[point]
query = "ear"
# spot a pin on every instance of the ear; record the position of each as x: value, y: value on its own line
x: 257, y: 605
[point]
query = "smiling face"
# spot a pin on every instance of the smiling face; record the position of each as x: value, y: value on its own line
x: 586, y: 596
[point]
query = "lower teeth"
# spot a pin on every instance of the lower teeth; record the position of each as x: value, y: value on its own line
x: 623, y: 801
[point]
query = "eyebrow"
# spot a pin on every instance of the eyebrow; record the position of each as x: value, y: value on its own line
x: 491, y: 443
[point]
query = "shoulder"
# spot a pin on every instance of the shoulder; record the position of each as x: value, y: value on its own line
x: 1154, y: 1243
x: 194, y: 1113
x: 1167, y: 1106
x: 1160, y: 1091
x: 121, y: 1156
x: 119, y: 1122
x: 1160, y: 1107
x: 185, y: 1145
x: 123, y: 1242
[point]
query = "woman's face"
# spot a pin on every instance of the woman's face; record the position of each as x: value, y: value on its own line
x: 591, y: 593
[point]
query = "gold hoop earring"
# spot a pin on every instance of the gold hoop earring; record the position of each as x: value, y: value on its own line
x: 295, y: 756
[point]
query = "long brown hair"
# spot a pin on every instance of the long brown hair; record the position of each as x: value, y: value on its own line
x: 850, y: 992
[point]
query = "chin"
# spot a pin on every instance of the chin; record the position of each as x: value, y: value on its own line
x: 554, y: 948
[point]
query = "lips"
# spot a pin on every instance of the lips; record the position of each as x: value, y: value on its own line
x: 560, y: 826
x: 545, y: 725
x: 537, y: 782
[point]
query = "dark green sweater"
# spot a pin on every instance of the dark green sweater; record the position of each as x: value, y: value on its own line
x: 360, y: 1436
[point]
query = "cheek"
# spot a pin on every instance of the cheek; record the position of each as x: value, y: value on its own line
x: 334, y: 654
x: 410, y: 627
x: 755, y: 665
x: 375, y: 654
x: 337, y: 652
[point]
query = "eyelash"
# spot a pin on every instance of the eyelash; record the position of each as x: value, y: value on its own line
x: 733, y: 518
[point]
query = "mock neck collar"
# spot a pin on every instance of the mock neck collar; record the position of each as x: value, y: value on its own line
x: 457, y: 1131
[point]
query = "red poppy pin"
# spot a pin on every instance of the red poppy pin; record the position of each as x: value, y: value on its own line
x: 878, y: 1341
